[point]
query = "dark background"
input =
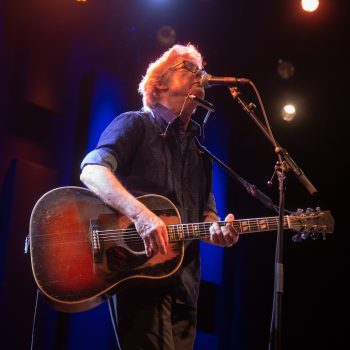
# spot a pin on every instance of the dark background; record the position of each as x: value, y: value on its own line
x: 61, y: 61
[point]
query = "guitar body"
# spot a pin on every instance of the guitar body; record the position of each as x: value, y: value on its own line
x: 82, y: 251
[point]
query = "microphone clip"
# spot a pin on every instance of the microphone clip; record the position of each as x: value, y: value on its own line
x: 203, y: 103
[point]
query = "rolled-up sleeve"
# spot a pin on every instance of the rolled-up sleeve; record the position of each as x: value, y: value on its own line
x: 118, y: 142
x: 211, y: 204
x: 100, y: 156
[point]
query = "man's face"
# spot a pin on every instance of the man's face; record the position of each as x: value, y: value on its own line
x: 184, y: 78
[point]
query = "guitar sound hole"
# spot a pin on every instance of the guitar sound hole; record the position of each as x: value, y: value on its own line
x: 121, y: 259
x: 133, y: 241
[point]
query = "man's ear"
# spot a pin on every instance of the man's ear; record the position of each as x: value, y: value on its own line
x: 161, y: 85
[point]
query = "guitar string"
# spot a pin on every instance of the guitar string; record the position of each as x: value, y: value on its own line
x: 136, y: 239
x: 194, y: 228
x: 135, y: 235
x: 180, y: 234
x: 186, y: 227
x: 237, y: 222
x: 132, y: 233
x: 178, y: 237
x: 270, y: 221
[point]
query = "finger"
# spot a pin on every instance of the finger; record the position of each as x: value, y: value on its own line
x: 227, y: 236
x: 147, y: 245
x: 220, y: 234
x: 221, y: 239
x: 213, y: 235
x: 233, y: 232
x: 160, y: 242
x: 216, y: 228
x: 230, y: 218
x: 165, y: 236
x: 234, y: 235
x: 154, y: 244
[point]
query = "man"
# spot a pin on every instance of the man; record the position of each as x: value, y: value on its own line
x: 155, y: 151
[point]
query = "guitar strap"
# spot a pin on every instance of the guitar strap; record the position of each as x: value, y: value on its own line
x: 250, y: 188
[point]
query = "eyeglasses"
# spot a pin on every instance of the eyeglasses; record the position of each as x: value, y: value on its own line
x: 189, y: 66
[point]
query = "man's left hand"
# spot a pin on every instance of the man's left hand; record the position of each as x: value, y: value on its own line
x: 224, y: 236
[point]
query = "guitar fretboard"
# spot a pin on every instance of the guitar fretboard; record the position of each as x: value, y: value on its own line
x: 182, y: 232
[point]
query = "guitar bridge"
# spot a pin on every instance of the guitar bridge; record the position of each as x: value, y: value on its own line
x: 95, y: 238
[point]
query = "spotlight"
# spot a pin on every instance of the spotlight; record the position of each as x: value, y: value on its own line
x: 285, y: 69
x: 166, y: 36
x: 309, y: 5
x: 288, y: 112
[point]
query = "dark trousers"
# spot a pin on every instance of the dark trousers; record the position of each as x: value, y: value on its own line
x: 146, y: 319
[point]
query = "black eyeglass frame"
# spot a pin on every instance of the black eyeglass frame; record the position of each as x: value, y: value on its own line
x: 189, y: 66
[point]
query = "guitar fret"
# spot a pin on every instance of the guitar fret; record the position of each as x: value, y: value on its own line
x: 171, y: 233
x: 244, y: 225
x: 196, y: 230
x: 188, y: 232
x: 263, y: 224
x: 180, y: 232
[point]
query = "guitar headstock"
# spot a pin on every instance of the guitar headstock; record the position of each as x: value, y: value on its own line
x: 311, y: 222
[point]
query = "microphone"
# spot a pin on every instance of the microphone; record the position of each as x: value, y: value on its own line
x: 208, y: 81
x: 201, y: 102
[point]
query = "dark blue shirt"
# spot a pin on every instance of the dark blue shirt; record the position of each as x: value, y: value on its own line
x: 152, y: 153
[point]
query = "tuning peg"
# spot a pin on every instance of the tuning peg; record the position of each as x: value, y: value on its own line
x: 308, y: 210
x: 297, y: 238
x: 318, y: 209
x: 300, y: 211
x: 314, y: 236
x: 305, y: 235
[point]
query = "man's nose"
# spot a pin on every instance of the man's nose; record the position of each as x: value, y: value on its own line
x: 198, y: 73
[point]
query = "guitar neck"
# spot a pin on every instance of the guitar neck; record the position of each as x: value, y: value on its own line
x: 182, y: 232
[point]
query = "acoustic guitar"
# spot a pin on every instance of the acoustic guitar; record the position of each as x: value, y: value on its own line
x: 82, y: 251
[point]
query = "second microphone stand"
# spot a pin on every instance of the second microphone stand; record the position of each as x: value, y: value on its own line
x: 284, y: 164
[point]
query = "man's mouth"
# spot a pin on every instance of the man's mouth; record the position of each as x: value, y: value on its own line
x: 197, y: 83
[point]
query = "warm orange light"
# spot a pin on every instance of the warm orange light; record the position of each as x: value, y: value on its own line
x: 288, y: 112
x: 310, y: 5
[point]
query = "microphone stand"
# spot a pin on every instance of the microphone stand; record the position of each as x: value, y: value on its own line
x: 250, y: 188
x: 284, y: 164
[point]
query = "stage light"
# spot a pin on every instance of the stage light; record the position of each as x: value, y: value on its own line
x: 158, y: 1
x: 285, y: 69
x: 166, y: 36
x: 310, y: 5
x: 288, y: 112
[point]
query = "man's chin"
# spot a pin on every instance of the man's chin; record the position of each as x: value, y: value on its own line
x: 198, y: 91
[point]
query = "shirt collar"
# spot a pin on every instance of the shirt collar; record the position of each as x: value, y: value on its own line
x: 163, y: 113
x: 165, y: 116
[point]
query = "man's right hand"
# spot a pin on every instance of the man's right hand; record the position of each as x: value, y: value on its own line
x: 106, y: 186
x: 153, y: 232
